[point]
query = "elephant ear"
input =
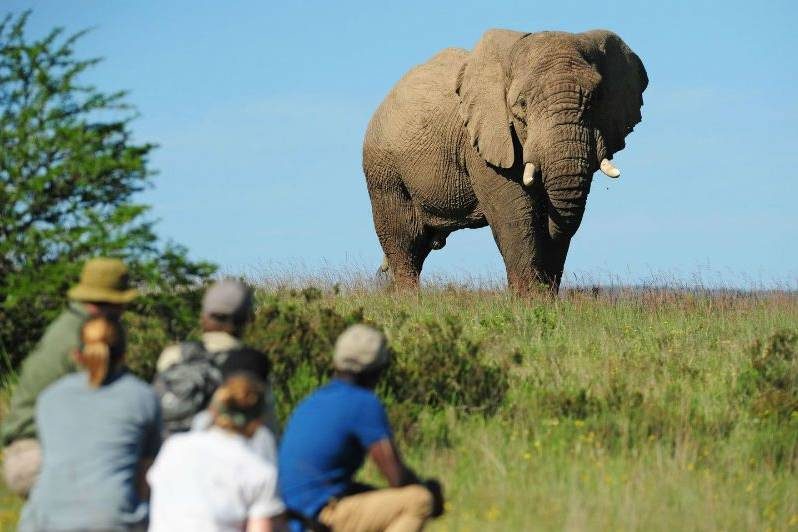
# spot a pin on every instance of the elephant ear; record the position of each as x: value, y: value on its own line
x: 623, y: 80
x: 481, y: 86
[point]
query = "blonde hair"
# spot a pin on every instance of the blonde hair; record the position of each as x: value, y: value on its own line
x: 102, y: 345
x: 237, y: 403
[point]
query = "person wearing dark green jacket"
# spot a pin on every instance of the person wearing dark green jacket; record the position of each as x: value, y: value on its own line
x: 102, y: 291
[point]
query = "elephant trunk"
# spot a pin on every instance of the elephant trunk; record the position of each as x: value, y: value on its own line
x: 567, y: 196
x: 567, y: 176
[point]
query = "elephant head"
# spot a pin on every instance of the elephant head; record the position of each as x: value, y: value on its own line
x: 558, y: 105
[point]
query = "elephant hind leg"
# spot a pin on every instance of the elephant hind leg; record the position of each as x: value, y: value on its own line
x: 401, y: 233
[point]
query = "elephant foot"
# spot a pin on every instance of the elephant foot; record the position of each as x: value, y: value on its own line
x: 383, y: 277
x: 387, y: 279
x: 534, y: 287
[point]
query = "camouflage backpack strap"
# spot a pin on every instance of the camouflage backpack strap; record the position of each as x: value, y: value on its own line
x: 191, y: 349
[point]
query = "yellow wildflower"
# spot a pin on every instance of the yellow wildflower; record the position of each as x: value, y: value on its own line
x: 492, y: 514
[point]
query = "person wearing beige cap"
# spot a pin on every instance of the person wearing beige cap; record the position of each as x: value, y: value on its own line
x: 226, y: 311
x: 103, y: 291
x: 329, y: 436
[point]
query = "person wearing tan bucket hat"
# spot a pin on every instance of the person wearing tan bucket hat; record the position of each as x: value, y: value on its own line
x: 103, y: 281
x: 328, y: 438
x: 103, y: 290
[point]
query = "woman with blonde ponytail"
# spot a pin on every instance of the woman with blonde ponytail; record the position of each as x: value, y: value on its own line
x: 100, y: 429
x: 101, y: 348
x: 211, y: 479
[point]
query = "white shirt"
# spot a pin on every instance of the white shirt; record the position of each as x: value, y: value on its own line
x: 262, y: 441
x: 212, y: 481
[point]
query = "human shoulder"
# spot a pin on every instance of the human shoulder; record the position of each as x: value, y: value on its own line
x: 361, y: 395
x: 71, y: 381
x: 62, y: 392
x: 138, y: 386
x: 62, y: 335
x: 256, y: 469
x: 169, y: 356
x: 70, y: 318
x: 131, y: 381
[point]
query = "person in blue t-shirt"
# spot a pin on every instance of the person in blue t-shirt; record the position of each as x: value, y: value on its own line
x: 328, y: 437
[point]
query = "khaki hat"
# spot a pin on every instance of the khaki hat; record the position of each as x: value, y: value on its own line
x: 103, y: 280
x: 360, y: 349
x: 228, y: 297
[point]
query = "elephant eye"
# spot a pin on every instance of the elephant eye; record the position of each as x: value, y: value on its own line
x: 519, y: 109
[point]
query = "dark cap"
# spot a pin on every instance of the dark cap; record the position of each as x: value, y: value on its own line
x: 247, y: 360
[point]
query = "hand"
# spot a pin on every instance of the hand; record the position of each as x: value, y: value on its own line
x: 436, y: 490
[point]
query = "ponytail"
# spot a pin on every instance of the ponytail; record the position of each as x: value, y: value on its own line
x: 237, y: 403
x: 102, y: 345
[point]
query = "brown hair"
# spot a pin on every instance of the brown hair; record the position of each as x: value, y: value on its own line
x: 237, y: 403
x: 102, y: 345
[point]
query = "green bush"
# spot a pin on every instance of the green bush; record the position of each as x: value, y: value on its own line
x: 771, y: 383
x: 297, y: 332
x: 435, y: 366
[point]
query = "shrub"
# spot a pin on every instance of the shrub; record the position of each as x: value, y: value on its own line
x: 771, y: 383
x: 434, y: 364
x: 437, y: 365
x: 298, y: 335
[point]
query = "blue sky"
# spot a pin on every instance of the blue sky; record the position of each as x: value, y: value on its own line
x: 259, y: 109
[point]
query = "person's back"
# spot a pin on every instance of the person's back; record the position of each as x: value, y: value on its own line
x: 325, y: 443
x: 103, y: 291
x: 211, y: 479
x: 94, y: 437
x: 188, y: 373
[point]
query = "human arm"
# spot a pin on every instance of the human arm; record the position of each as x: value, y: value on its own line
x: 270, y: 410
x: 150, y: 448
x: 50, y: 360
x: 387, y: 459
x: 141, y: 478
x: 267, y: 524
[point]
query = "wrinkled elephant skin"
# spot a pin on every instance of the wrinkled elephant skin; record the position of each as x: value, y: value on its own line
x: 507, y: 135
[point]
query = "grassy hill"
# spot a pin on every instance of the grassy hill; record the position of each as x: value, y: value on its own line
x: 638, y: 409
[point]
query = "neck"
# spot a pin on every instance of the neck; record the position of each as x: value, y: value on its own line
x: 368, y: 381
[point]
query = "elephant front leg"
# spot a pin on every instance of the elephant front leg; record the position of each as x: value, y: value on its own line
x: 517, y: 219
x: 400, y: 231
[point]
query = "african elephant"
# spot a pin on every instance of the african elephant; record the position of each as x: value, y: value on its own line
x: 507, y: 135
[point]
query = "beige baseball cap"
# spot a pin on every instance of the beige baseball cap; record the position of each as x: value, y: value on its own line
x: 360, y: 349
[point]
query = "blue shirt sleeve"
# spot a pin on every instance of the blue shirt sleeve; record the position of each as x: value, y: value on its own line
x: 371, y: 422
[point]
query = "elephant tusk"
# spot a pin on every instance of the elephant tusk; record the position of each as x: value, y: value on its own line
x: 608, y: 169
x: 529, y: 174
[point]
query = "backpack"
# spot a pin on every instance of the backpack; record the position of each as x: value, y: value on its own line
x: 186, y: 387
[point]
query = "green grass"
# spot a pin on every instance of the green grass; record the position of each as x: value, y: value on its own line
x: 629, y: 410
x: 625, y: 412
